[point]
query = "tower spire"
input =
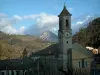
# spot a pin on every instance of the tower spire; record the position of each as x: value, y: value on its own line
x: 65, y: 4
x: 64, y: 11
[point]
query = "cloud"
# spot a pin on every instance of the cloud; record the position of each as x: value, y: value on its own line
x: 21, y: 30
x: 47, y: 20
x: 3, y: 15
x: 16, y: 17
x: 43, y: 19
x: 44, y: 22
x: 9, y: 30
x: 79, y: 22
x: 6, y: 24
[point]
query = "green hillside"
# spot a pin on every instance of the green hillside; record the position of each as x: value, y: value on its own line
x: 89, y: 36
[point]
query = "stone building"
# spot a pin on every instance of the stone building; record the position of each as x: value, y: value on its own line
x: 64, y: 55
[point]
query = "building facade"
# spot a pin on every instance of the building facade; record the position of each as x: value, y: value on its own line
x: 55, y: 59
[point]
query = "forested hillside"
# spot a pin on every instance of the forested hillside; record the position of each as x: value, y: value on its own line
x: 89, y: 36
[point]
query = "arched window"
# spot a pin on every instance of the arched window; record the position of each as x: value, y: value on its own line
x: 79, y: 63
x: 60, y: 24
x: 67, y: 24
x: 67, y: 34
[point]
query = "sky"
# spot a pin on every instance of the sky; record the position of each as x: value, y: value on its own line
x: 37, y: 16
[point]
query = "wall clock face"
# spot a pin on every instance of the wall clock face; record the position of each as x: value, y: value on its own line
x: 66, y: 35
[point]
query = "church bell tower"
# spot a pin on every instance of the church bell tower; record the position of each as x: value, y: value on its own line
x: 65, y: 37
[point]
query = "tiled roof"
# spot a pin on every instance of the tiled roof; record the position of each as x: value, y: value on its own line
x: 64, y: 12
x: 80, y: 51
x: 51, y: 50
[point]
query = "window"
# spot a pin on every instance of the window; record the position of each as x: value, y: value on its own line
x: 82, y: 63
x: 60, y: 24
x: 67, y: 34
x: 85, y: 63
x: 79, y: 63
x: 67, y: 24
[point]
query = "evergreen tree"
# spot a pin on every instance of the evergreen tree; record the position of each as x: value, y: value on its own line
x: 89, y: 36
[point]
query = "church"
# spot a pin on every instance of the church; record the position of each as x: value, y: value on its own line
x: 64, y: 55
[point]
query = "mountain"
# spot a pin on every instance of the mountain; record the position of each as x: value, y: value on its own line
x: 12, y: 46
x: 49, y: 36
x: 89, y: 36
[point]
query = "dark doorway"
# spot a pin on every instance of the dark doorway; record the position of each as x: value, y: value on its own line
x: 17, y: 72
x: 2, y: 73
